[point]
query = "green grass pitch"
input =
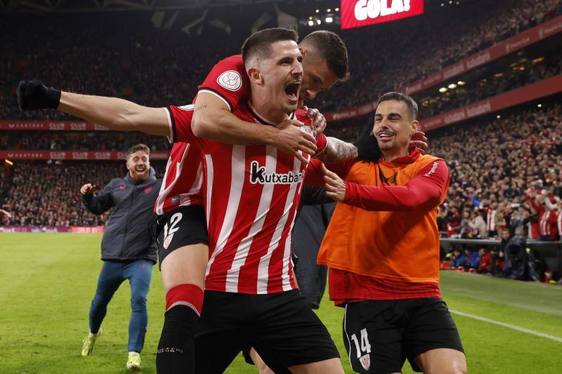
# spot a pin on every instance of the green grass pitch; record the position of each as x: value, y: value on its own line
x: 48, y: 280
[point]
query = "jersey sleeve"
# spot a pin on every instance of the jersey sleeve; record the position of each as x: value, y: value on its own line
x: 228, y: 81
x: 423, y: 192
x: 315, y: 174
x: 179, y: 118
x: 321, y: 143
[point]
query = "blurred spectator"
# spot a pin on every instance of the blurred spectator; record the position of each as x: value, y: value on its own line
x: 485, y: 264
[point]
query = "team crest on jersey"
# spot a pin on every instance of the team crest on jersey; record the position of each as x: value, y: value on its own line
x: 365, y: 361
x: 230, y: 79
x: 259, y: 176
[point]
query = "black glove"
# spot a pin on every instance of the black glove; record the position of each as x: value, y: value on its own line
x: 35, y: 95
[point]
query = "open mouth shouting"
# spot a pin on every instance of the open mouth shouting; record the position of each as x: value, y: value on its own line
x: 292, y: 91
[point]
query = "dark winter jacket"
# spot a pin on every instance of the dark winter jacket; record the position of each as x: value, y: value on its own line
x: 128, y: 231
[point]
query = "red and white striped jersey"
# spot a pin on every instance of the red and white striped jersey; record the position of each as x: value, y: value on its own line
x: 491, y: 219
x: 559, y: 223
x: 548, y: 224
x: 252, y: 194
x: 183, y: 178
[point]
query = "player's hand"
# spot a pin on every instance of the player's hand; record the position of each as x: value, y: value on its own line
x: 318, y: 120
x: 334, y: 185
x: 88, y: 189
x: 294, y: 139
x: 419, y: 141
x: 34, y: 94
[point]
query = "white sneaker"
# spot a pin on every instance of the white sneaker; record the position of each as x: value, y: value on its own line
x: 88, y: 344
x: 134, y: 361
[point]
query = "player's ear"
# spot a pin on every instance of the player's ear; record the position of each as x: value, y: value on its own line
x: 255, y: 75
x: 415, y: 126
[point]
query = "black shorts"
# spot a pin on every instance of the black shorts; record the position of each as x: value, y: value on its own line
x: 183, y: 226
x: 380, y: 335
x: 281, y: 327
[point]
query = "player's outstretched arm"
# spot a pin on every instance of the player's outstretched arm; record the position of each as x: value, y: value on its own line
x: 423, y: 192
x: 111, y: 112
x: 213, y: 120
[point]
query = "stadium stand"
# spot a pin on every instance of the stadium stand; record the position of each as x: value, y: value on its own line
x: 47, y: 193
x: 504, y: 165
x: 394, y: 61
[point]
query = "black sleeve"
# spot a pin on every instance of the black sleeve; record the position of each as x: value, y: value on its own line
x: 100, y: 202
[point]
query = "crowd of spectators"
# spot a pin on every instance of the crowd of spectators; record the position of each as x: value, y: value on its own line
x: 513, y: 174
x: 518, y: 75
x: 43, y: 193
x: 401, y: 53
x: 79, y: 141
x: 505, y: 175
x: 118, y: 56
x: 125, y: 56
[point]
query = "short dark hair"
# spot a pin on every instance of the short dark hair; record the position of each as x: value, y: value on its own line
x: 259, y: 43
x: 398, y: 96
x: 331, y: 48
x: 138, y: 147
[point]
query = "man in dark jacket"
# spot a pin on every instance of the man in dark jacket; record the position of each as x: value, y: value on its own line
x: 310, y: 225
x: 127, y: 248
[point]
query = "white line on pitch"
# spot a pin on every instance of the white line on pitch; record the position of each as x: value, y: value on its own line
x: 508, y: 325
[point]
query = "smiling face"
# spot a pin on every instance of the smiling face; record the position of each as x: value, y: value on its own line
x: 277, y: 78
x: 138, y: 164
x: 394, y: 126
